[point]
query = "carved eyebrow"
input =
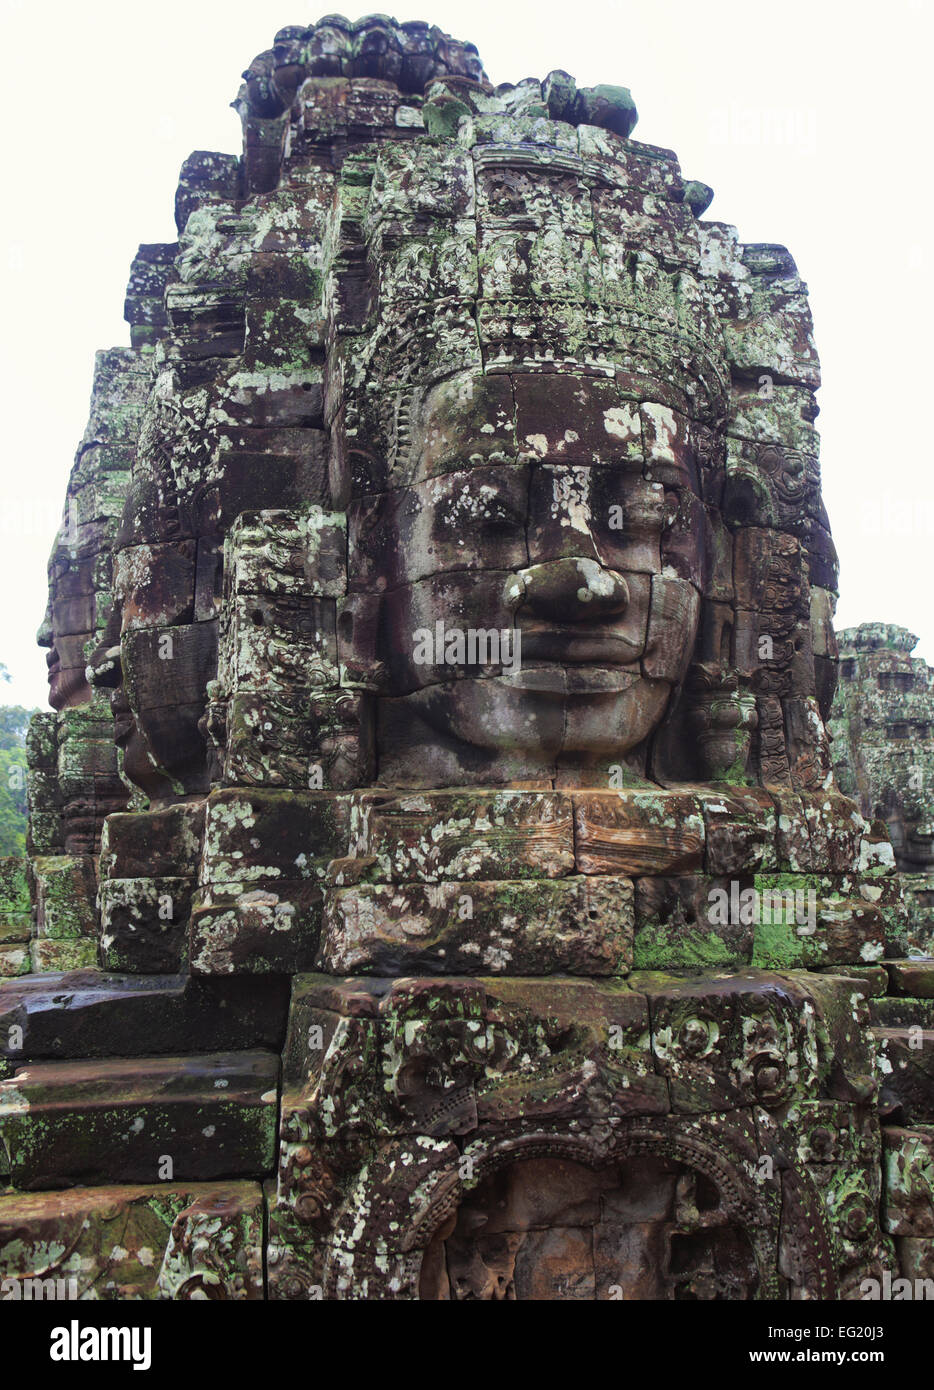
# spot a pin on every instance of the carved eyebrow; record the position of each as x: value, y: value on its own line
x: 497, y: 490
x: 484, y: 505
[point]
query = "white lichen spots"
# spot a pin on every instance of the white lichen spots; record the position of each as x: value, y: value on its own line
x: 621, y: 422
x: 570, y: 499
x: 598, y: 583
x: 875, y: 855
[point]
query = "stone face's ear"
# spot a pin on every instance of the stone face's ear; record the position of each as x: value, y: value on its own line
x: 784, y: 566
x: 297, y: 657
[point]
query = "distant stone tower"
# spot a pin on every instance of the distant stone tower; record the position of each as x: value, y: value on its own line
x: 882, y: 722
x: 437, y: 795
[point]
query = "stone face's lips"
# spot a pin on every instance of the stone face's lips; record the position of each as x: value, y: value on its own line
x: 578, y: 645
x: 124, y: 722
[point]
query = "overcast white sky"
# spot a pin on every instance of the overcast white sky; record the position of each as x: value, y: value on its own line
x: 811, y: 119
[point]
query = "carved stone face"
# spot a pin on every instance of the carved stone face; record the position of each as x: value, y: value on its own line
x: 68, y: 624
x: 906, y: 799
x: 502, y: 380
x: 534, y: 518
x: 526, y: 402
x: 912, y: 833
x: 884, y: 737
x: 920, y: 845
x: 548, y: 1230
x: 165, y: 674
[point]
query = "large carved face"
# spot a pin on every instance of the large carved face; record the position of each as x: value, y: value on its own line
x: 538, y: 574
x: 525, y: 397
x: 500, y: 361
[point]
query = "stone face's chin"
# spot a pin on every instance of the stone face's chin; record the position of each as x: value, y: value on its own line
x: 67, y: 680
x: 67, y: 688
x: 137, y: 765
x: 614, y: 723
x: 547, y: 710
x: 919, y: 852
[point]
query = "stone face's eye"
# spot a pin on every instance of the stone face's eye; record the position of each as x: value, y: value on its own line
x: 499, y: 517
x: 467, y: 513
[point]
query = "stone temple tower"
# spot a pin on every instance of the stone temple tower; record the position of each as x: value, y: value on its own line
x: 437, y: 886
x: 882, y: 723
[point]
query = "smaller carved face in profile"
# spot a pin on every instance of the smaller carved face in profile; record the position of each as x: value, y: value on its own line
x: 68, y: 626
x: 157, y: 673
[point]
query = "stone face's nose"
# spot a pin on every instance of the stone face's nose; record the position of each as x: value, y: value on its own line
x: 44, y: 637
x: 571, y: 590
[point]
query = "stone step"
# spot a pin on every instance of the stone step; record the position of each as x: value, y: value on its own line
x: 905, y: 1060
x: 139, y: 1119
x: 87, y: 1013
x: 166, y: 1240
x: 901, y: 1011
x: 913, y: 977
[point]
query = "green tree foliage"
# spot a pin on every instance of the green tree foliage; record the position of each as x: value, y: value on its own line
x: 14, y: 721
